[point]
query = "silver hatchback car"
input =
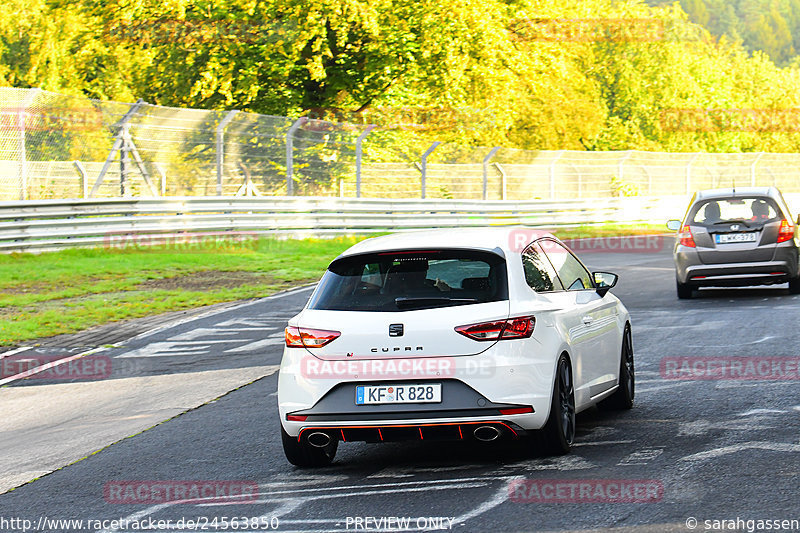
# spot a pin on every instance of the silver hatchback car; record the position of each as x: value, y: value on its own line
x: 736, y: 237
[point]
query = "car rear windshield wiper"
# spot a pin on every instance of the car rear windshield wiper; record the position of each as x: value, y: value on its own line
x: 435, y: 301
x: 737, y: 220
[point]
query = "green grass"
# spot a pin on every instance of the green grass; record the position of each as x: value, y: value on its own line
x: 48, y: 294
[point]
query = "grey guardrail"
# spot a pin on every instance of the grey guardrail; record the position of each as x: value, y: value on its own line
x: 53, y: 224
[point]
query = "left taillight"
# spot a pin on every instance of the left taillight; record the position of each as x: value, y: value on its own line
x: 308, y: 337
x: 786, y: 231
x: 513, y: 328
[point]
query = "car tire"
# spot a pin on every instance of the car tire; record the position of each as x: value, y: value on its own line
x: 684, y: 290
x: 304, y: 455
x: 794, y: 285
x: 623, y: 396
x: 558, y: 433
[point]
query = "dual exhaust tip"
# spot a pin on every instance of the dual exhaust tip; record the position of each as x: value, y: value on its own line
x: 320, y: 439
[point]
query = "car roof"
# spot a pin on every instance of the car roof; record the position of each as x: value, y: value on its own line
x: 503, y: 239
x: 729, y: 192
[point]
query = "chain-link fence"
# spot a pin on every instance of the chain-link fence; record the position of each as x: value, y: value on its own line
x: 57, y: 146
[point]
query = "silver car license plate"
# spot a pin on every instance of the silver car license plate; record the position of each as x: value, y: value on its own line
x: 725, y: 238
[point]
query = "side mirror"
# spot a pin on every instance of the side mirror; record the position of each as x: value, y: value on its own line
x: 603, y: 281
x: 674, y: 225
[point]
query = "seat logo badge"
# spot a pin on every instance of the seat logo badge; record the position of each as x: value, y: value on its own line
x: 396, y: 330
x: 734, y: 227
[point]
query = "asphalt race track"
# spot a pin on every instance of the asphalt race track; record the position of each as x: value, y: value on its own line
x: 703, y: 449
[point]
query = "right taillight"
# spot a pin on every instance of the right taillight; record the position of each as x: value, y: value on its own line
x: 513, y: 328
x: 686, y: 237
x: 786, y: 231
x: 308, y: 337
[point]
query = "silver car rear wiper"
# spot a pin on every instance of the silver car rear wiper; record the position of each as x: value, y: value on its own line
x: 732, y: 220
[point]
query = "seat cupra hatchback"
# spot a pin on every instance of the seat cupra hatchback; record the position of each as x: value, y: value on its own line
x: 464, y: 334
x: 736, y: 237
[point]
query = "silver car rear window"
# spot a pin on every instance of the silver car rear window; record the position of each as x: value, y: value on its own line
x: 721, y: 210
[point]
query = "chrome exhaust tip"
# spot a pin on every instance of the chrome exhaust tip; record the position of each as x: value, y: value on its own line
x: 319, y: 439
x: 486, y: 433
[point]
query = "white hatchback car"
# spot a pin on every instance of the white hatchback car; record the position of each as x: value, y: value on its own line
x: 452, y: 334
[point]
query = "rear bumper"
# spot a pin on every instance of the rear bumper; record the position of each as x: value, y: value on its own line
x: 474, y: 390
x: 485, y: 431
x: 689, y: 269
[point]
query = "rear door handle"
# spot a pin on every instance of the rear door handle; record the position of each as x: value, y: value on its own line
x: 588, y: 320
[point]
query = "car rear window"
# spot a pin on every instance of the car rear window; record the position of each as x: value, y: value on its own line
x: 408, y: 280
x: 740, y: 209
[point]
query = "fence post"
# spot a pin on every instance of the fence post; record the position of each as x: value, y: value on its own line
x: 553, y: 174
x: 290, y: 154
x: 221, y: 147
x: 119, y: 143
x: 23, y: 155
x: 163, y: 175
x: 84, y: 180
x: 124, y: 162
x: 753, y: 169
x: 503, y: 180
x: 359, y: 140
x: 689, y: 173
x: 424, y: 165
x: 621, y: 169
x: 486, y: 171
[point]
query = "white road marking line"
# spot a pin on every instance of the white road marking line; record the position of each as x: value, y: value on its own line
x: 47, y: 366
x: 272, y: 340
x: 641, y: 457
x: 500, y: 497
x: 211, y: 313
x: 753, y: 445
x: 752, y: 412
x: 16, y: 350
x: 201, y: 332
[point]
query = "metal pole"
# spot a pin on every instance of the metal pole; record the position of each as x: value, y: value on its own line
x: 23, y: 156
x: 124, y: 162
x: 290, y: 154
x: 424, y: 165
x: 221, y: 147
x: 84, y: 179
x: 163, y: 174
x: 689, y: 173
x: 621, y: 167
x: 553, y: 173
x: 359, y: 140
x: 503, y: 180
x: 753, y: 169
x: 486, y: 159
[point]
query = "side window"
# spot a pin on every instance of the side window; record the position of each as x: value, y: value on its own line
x: 570, y: 271
x: 539, y: 272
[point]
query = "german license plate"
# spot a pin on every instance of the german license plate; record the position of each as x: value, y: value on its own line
x: 392, y: 393
x: 725, y: 238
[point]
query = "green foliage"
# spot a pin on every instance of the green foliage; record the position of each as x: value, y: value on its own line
x: 469, y: 73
